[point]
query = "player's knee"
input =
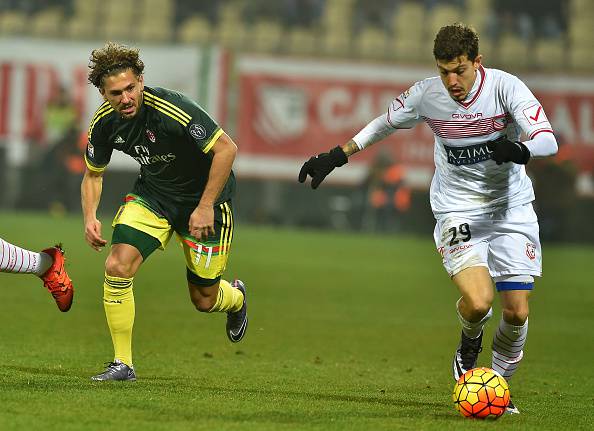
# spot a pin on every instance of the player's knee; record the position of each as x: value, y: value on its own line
x: 515, y: 316
x: 477, y: 307
x: 117, y: 268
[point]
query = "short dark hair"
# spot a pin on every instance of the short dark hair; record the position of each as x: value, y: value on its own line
x: 455, y: 40
x: 113, y: 58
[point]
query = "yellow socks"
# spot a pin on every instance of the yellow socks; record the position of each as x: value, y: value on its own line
x: 229, y: 299
x: 118, y: 301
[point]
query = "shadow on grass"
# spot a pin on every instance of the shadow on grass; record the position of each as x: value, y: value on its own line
x: 48, y: 371
x: 390, y: 405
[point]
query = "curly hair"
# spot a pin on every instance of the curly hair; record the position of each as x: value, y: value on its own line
x: 111, y: 59
x: 455, y: 40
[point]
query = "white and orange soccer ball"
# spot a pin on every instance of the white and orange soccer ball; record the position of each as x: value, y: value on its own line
x: 481, y: 393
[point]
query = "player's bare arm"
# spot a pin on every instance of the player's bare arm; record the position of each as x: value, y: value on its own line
x: 201, y: 223
x: 91, y: 188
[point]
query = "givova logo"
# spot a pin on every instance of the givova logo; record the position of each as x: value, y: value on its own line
x: 468, y: 155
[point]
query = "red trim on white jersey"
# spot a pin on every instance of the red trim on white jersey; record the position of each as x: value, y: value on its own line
x: 466, y: 105
x: 22, y: 260
x: 449, y: 129
x: 536, y: 132
x: 4, y: 253
x: 388, y: 114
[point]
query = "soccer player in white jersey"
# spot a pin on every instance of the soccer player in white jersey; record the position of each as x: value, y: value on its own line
x: 47, y: 265
x: 487, y: 126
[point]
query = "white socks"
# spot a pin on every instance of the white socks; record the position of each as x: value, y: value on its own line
x: 18, y: 260
x: 508, y: 347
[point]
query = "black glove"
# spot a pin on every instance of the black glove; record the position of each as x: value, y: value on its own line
x: 318, y: 167
x: 503, y: 150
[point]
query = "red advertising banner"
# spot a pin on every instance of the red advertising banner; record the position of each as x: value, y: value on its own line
x: 572, y: 115
x: 288, y: 114
x: 292, y: 109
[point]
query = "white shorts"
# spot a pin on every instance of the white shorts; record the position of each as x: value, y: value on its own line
x: 505, y: 241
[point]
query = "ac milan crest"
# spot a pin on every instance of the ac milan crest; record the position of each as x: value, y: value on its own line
x: 151, y: 135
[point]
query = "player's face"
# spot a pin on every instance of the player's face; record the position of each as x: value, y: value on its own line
x: 123, y: 91
x: 458, y: 75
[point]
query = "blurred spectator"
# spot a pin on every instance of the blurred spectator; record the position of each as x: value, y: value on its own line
x: 26, y: 6
x: 429, y: 4
x: 530, y: 18
x: 53, y: 179
x: 386, y: 195
x: 302, y: 13
x: 59, y: 117
x: 65, y: 168
x: 62, y: 161
x: 209, y: 9
x: 554, y: 181
x: 377, y: 13
x: 254, y: 10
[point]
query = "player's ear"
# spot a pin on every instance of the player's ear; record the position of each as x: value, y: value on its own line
x: 141, y: 82
x: 477, y: 61
x: 102, y: 92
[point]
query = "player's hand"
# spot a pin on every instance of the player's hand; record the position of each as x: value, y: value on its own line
x: 503, y: 150
x: 93, y: 234
x: 201, y: 223
x: 318, y: 167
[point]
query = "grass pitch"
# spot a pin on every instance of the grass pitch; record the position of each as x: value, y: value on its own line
x: 347, y: 332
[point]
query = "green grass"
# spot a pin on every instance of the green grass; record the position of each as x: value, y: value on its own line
x: 347, y: 332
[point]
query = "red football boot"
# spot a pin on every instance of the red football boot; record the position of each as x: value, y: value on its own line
x: 56, y: 279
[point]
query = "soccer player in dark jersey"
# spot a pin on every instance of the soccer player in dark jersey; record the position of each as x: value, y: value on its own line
x: 185, y: 186
x: 47, y: 265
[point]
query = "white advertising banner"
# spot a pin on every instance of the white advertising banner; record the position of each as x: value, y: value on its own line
x: 34, y: 70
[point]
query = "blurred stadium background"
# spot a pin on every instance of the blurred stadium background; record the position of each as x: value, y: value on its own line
x: 351, y: 328
x: 286, y: 79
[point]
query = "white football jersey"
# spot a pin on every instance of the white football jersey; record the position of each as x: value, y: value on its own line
x: 466, y: 179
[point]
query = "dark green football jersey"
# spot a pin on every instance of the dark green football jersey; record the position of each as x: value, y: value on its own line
x: 171, y: 138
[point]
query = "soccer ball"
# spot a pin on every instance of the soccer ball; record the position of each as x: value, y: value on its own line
x: 481, y: 393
